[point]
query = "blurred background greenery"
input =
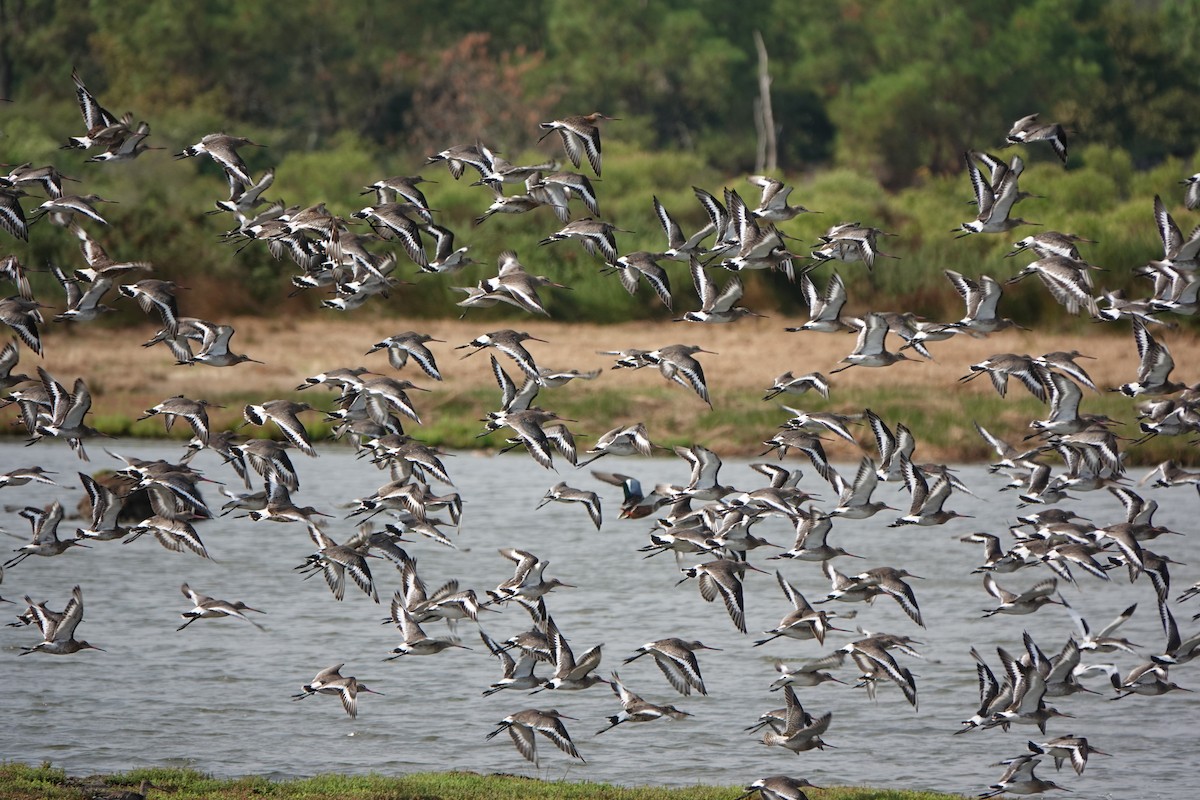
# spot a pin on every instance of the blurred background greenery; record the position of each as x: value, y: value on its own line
x: 873, y: 102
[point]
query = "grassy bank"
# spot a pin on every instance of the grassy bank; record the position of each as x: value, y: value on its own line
x: 739, y: 421
x: 926, y: 396
x: 23, y: 782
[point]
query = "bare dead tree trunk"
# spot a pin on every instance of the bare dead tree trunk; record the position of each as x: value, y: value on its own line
x: 764, y: 120
x: 760, y: 153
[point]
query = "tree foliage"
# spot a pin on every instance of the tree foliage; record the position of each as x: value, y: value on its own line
x: 874, y: 103
x: 898, y: 86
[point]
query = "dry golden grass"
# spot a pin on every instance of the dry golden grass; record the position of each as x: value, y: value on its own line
x: 126, y: 378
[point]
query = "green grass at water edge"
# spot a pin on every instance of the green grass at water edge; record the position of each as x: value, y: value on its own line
x: 737, y: 424
x: 25, y: 782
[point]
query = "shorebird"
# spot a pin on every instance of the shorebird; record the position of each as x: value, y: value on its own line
x: 1026, y: 602
x: 458, y: 157
x: 579, y: 133
x: 517, y: 674
x: 13, y: 271
x: 243, y: 201
x: 703, y: 481
x: 43, y: 524
x: 393, y: 219
x: 222, y: 148
x: 635, y: 709
x: 773, y: 206
x: 25, y: 475
x: 1063, y: 748
x: 790, y: 384
x: 334, y: 561
x: 1177, y: 250
x: 851, y: 242
x: 555, y: 189
x: 497, y: 171
x: 523, y: 725
x: 722, y: 576
x: 995, y: 199
x: 677, y: 363
x: 801, y: 731
x: 1002, y: 365
x: 416, y: 642
x: 23, y: 317
x: 46, y: 178
x: 807, y: 443
x: 331, y: 681
x: 1028, y: 129
x: 715, y: 307
x: 518, y: 285
x: 1051, y: 243
x: 541, y: 432
x: 821, y: 422
x: 1149, y: 679
x: 802, y: 622
x: 106, y: 509
x: 82, y: 306
x: 1064, y: 417
x: 871, y: 655
x: 510, y: 343
x: 890, y: 582
x: 58, y: 630
x: 210, y: 608
x: 390, y: 190
x: 102, y: 126
x: 678, y: 248
x: 1067, y: 281
x: 153, y: 296
x: 807, y: 674
x: 622, y: 441
x: 194, y: 412
x: 1154, y: 366
x: 214, y: 348
x: 641, y: 264
x: 812, y: 530
x: 981, y: 298
x: 171, y: 532
x: 401, y: 346
x: 446, y: 259
x: 779, y: 787
x: 62, y: 210
x: 870, y: 349
x: 854, y: 498
x: 1018, y: 778
x: 562, y: 493
x: 65, y: 418
x: 285, y: 415
x: 571, y: 674
x: 593, y: 234
x: 927, y: 501
x: 12, y: 216
x: 99, y: 264
x: 509, y: 204
x: 676, y: 658
x: 1169, y: 473
x: 527, y: 581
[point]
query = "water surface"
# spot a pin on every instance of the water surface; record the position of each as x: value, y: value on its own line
x: 217, y: 696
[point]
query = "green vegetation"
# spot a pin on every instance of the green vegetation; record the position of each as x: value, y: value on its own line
x: 872, y: 120
x: 739, y: 421
x: 21, y: 782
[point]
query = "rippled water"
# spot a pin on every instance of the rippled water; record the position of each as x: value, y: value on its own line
x: 216, y: 696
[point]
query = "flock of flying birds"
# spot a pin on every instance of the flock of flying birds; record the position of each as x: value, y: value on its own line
x: 703, y: 521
